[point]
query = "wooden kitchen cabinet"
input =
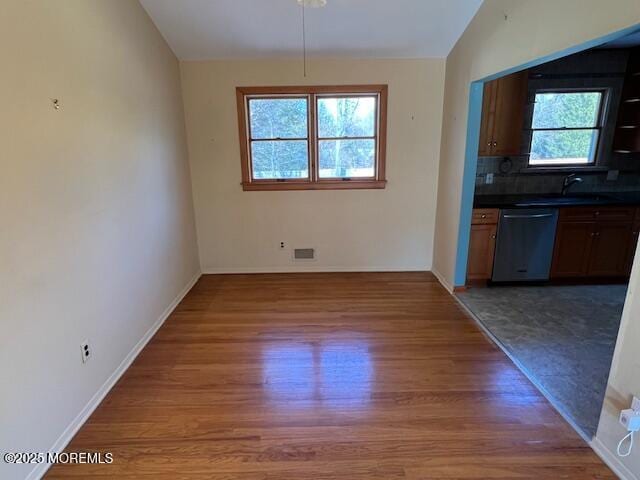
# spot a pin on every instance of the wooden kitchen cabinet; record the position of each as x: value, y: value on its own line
x: 633, y: 245
x: 572, y: 249
x: 593, y: 242
x: 503, y: 104
x: 482, y: 243
x: 609, y: 252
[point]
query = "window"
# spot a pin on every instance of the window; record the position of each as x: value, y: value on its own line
x: 297, y: 138
x: 565, y: 128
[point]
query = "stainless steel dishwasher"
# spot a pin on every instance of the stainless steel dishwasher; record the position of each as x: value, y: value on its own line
x: 524, y: 247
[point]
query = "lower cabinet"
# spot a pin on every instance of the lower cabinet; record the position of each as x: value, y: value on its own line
x: 572, y: 249
x: 482, y: 244
x: 594, y: 242
x: 609, y: 253
x: 634, y: 244
x: 590, y: 242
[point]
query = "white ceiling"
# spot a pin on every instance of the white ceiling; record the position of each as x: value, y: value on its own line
x: 210, y: 29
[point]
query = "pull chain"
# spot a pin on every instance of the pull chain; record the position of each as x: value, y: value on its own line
x: 304, y: 44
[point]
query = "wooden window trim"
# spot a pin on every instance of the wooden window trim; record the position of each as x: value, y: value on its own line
x: 312, y: 93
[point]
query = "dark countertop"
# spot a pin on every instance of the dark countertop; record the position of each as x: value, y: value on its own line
x: 569, y: 200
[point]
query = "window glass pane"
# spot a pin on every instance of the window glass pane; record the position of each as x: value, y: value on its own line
x: 347, y: 158
x: 554, y: 147
x: 346, y: 117
x: 572, y: 110
x: 279, y: 159
x: 278, y: 118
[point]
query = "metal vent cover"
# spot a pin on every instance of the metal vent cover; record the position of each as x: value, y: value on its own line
x: 304, y: 254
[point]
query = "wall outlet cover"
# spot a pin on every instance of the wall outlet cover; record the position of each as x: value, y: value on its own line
x: 85, y: 351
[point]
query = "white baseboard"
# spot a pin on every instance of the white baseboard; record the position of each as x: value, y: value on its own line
x: 307, y: 269
x: 612, y: 461
x: 443, y: 281
x: 64, y: 439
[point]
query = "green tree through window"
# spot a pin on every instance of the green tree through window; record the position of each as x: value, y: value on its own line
x: 279, y: 143
x: 565, y: 128
x: 346, y: 136
x: 325, y: 137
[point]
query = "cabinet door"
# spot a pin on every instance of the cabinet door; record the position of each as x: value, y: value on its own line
x: 509, y: 113
x: 609, y: 254
x: 485, y: 215
x: 633, y: 242
x: 482, y: 245
x: 572, y: 249
x: 488, y: 118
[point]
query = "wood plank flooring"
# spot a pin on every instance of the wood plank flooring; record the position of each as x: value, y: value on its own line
x: 326, y: 376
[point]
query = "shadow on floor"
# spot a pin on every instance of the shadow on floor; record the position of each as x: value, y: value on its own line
x: 564, y: 336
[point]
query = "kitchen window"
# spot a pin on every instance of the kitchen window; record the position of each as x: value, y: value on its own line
x: 565, y: 128
x: 308, y: 138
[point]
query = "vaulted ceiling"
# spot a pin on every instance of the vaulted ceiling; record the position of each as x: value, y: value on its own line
x: 210, y: 29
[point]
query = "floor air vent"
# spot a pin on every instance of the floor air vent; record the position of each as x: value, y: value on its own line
x: 303, y: 254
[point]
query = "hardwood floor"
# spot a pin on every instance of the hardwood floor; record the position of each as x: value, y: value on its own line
x: 326, y: 376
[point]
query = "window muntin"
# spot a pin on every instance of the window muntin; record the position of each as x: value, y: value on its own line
x: 312, y: 137
x: 347, y: 136
x: 565, y: 128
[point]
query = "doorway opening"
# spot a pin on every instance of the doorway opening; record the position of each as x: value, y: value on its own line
x: 551, y: 213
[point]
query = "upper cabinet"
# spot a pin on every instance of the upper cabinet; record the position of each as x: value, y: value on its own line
x: 503, y: 105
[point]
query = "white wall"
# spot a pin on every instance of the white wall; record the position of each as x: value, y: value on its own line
x: 389, y: 229
x: 624, y: 379
x: 491, y: 44
x: 97, y: 236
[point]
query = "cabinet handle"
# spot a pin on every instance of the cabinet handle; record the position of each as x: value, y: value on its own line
x: 495, y: 144
x: 488, y: 144
x: 484, y: 215
x: 596, y: 213
x: 493, y: 236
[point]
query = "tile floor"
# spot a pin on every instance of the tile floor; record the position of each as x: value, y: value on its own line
x: 563, y: 336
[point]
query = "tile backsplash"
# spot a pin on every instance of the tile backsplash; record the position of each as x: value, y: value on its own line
x: 519, y: 180
x: 598, y: 69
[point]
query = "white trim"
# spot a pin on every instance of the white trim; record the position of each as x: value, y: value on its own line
x: 612, y: 461
x: 62, y: 441
x: 305, y: 268
x: 443, y: 281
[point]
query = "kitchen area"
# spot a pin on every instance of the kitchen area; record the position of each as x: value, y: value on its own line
x: 555, y: 222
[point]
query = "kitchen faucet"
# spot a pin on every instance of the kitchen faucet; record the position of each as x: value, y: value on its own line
x: 568, y: 181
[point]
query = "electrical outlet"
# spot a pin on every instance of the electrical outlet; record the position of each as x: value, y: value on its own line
x: 630, y: 420
x: 281, y: 245
x: 85, y: 350
x: 488, y: 179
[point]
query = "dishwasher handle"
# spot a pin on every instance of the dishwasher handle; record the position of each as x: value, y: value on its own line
x: 536, y: 215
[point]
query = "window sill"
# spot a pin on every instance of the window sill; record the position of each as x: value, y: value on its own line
x: 325, y: 185
x: 563, y: 169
